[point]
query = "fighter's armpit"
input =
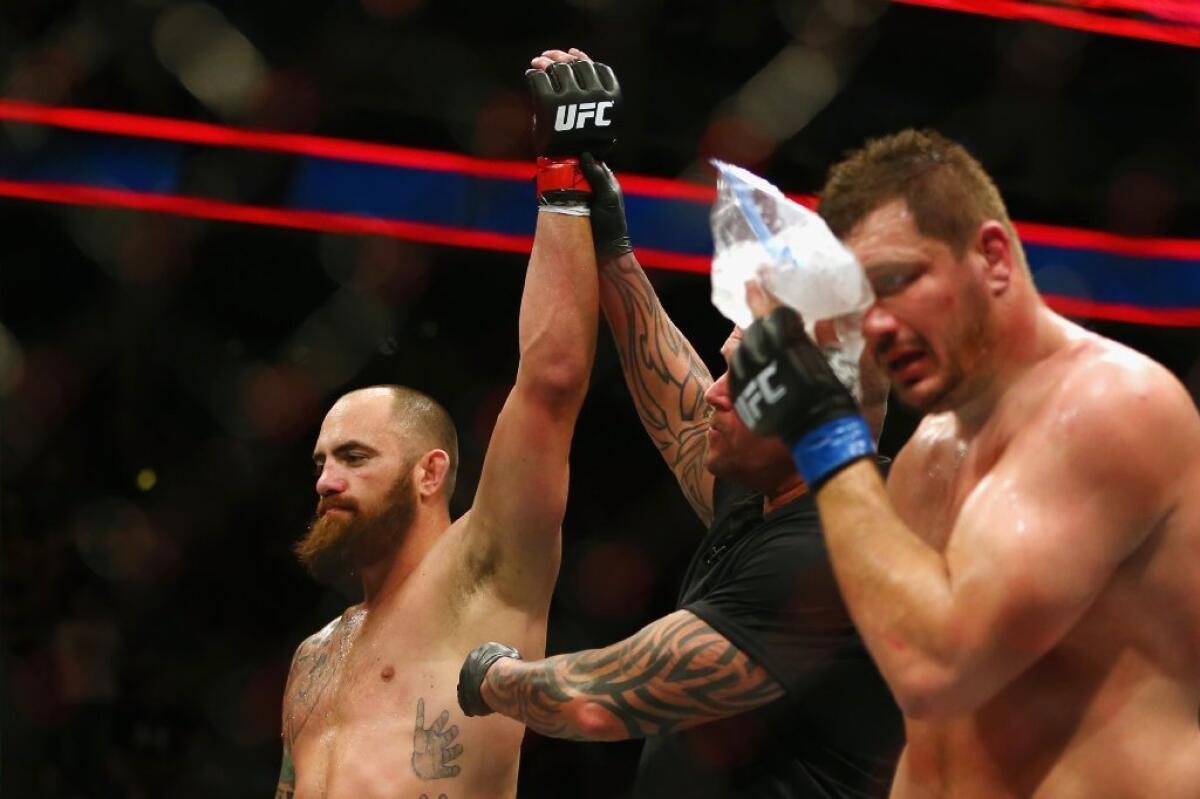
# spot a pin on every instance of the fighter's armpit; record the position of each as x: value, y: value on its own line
x: 675, y: 673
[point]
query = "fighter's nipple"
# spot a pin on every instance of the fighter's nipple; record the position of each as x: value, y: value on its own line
x: 387, y: 673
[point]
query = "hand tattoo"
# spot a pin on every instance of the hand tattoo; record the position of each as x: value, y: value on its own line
x: 432, y: 751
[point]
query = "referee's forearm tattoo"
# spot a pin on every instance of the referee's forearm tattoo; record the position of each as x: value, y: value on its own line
x: 674, y: 673
x: 665, y: 377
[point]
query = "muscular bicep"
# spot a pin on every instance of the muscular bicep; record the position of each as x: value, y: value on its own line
x: 513, y: 527
x: 674, y: 673
x: 1040, y: 538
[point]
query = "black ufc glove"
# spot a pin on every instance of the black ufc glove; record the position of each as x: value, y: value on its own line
x: 783, y: 386
x: 576, y: 108
x: 608, y: 210
x: 470, y: 676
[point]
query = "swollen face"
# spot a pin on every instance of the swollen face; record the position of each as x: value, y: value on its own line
x: 343, y: 537
x: 929, y: 329
x: 946, y: 368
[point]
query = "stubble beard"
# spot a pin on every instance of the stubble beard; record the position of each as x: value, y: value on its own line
x: 966, y: 371
x: 337, y: 545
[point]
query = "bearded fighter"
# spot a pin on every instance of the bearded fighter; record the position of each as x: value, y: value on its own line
x: 369, y: 709
x: 1027, y: 578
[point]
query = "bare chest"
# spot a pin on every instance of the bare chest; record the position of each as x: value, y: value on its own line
x: 369, y: 712
x: 372, y: 711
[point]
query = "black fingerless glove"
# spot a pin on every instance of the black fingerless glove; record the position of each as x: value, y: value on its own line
x: 785, y: 387
x: 576, y: 108
x: 470, y: 676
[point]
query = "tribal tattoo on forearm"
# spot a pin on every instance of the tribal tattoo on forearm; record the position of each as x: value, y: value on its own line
x: 665, y: 377
x: 675, y: 673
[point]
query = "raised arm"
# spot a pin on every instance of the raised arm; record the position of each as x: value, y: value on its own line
x: 666, y: 378
x: 674, y: 673
x: 513, y: 525
x: 1074, y: 492
x: 1034, y: 544
x: 514, y: 522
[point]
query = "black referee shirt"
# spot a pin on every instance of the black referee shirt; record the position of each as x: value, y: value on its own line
x: 766, y: 584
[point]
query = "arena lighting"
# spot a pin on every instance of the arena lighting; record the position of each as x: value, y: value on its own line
x: 1158, y: 20
x: 1145, y: 281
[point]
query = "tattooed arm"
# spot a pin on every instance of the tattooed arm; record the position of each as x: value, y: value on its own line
x: 287, y: 775
x: 674, y: 673
x: 307, y: 680
x: 286, y: 789
x: 666, y: 378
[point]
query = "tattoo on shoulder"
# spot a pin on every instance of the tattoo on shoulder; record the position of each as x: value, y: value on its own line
x: 659, y: 362
x: 310, y: 676
x: 674, y: 673
x: 433, y: 746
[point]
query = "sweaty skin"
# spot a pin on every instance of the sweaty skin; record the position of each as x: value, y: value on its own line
x: 1027, y: 581
x: 370, y: 709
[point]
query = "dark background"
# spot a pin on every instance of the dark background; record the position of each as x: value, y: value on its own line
x: 163, y: 379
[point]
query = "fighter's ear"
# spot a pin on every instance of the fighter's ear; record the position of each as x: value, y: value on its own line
x: 431, y: 471
x: 998, y: 256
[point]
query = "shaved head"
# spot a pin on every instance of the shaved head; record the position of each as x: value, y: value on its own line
x: 423, y: 425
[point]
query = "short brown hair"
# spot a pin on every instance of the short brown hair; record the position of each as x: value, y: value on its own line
x: 945, y: 188
x: 421, y: 416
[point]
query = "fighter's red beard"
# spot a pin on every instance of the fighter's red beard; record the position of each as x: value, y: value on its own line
x: 338, y: 545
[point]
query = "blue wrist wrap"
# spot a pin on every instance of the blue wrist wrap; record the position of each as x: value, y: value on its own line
x: 825, y: 449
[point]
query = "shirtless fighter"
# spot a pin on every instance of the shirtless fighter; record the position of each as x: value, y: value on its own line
x: 369, y: 709
x: 1027, y: 579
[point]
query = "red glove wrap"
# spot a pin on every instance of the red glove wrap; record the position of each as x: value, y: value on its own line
x: 560, y: 181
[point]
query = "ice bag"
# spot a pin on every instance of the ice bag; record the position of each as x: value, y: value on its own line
x: 760, y: 233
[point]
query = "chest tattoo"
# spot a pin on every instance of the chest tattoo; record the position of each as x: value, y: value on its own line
x: 433, y: 746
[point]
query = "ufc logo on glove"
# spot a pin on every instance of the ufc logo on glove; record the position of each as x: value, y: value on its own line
x: 576, y: 115
x: 757, y: 391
